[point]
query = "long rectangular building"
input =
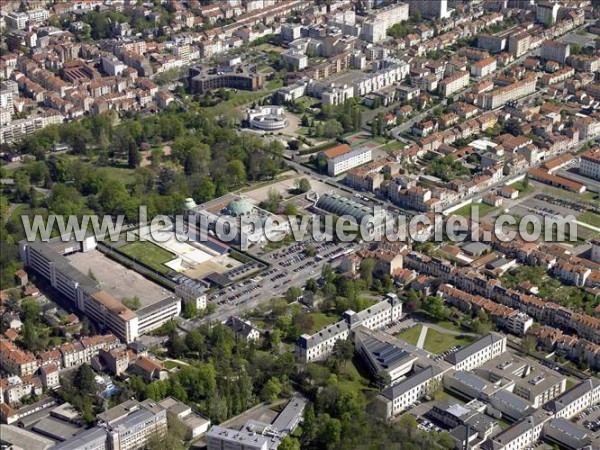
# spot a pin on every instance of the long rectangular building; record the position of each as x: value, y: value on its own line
x: 500, y: 97
x: 479, y: 352
x: 85, y: 294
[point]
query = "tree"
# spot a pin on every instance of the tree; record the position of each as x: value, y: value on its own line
x: 271, y: 390
x: 274, y: 338
x: 190, y: 310
x: 343, y: 350
x: 528, y: 344
x: 290, y: 209
x: 303, y: 185
x: 434, y: 305
x: 293, y: 293
x: 29, y: 337
x: 194, y: 341
x: 289, y: 443
x: 236, y: 172
x: 367, y: 267
x: 132, y: 303
x: 85, y: 379
x: 304, y: 122
x: 332, y: 129
x: 176, y: 344
x: 330, y: 431
x: 134, y: 157
x: 206, y: 191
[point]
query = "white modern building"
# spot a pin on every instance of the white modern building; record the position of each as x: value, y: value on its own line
x: 105, y: 310
x: 343, y: 158
x: 267, y: 118
x: 477, y: 353
x: 319, y: 346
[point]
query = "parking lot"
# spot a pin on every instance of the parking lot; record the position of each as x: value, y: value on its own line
x: 292, y: 265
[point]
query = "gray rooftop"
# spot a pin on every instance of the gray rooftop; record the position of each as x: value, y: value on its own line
x: 417, y: 379
x: 573, y: 394
x: 56, y: 429
x: 89, y: 439
x: 288, y: 419
x: 564, y: 426
x: 382, y: 355
x: 465, y: 352
x: 12, y: 435
x: 243, y: 439
x: 471, y: 380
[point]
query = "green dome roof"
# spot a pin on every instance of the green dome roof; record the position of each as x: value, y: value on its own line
x: 239, y: 208
x: 189, y: 203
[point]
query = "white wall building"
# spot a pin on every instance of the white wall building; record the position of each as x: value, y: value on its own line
x: 479, y: 352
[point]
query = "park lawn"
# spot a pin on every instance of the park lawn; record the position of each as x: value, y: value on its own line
x: 411, y: 335
x: 589, y: 217
x: 437, y: 342
x: 321, y: 320
x: 149, y: 254
x: 466, y: 211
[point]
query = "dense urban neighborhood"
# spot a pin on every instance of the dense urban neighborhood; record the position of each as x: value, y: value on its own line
x: 198, y: 241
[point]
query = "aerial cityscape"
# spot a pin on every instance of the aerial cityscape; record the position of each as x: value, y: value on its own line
x: 300, y: 224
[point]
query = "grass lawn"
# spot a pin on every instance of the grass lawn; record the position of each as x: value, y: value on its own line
x: 123, y: 174
x: 411, y: 335
x: 589, y: 217
x: 171, y: 365
x: 149, y: 254
x: 321, y: 320
x: 523, y: 190
x: 394, y: 145
x: 466, y: 211
x: 437, y: 342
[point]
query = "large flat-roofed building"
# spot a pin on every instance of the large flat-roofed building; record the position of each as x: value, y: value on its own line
x: 576, y: 399
x: 128, y: 426
x: 244, y: 78
x: 319, y: 346
x: 342, y: 158
x: 590, y: 164
x: 194, y: 424
x: 479, y: 352
x: 62, y: 264
x: 220, y: 438
x: 523, y: 378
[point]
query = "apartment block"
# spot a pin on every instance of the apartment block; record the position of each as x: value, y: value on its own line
x: 501, y: 96
x: 454, y: 83
x: 484, y: 67
x: 343, y: 158
x: 555, y: 51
